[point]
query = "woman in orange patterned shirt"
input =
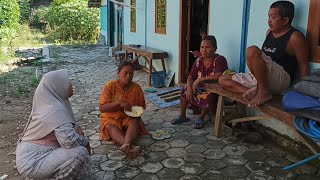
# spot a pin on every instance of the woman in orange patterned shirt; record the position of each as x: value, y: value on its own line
x: 117, y: 96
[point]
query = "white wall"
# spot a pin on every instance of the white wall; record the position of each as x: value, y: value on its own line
x: 168, y: 42
x: 225, y: 23
x: 137, y: 37
x: 145, y: 32
x: 258, y: 22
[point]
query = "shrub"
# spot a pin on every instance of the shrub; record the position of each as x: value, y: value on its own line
x: 71, y: 20
x: 9, y: 19
x: 24, y: 11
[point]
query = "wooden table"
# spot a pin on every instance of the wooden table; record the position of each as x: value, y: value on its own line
x: 149, y: 54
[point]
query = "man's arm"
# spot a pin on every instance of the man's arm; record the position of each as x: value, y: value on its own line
x: 212, y: 77
x: 300, y: 50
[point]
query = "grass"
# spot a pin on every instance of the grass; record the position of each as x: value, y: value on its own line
x: 26, y: 37
x: 18, y: 82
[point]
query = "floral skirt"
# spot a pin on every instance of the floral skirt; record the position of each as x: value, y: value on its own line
x: 210, y: 102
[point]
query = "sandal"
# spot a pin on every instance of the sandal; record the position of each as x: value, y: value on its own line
x: 199, y: 123
x: 179, y: 120
x: 160, y: 134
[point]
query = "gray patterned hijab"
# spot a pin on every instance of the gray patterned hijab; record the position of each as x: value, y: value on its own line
x: 51, y: 107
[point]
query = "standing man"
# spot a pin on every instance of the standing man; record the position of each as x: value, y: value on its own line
x: 284, y: 51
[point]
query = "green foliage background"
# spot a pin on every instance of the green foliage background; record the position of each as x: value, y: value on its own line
x: 9, y: 18
x: 71, y: 21
x: 65, y: 21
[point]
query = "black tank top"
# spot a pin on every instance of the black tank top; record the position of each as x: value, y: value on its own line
x: 276, y: 49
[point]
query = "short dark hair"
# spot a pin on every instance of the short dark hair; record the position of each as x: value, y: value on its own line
x: 124, y: 64
x: 286, y: 9
x: 212, y: 40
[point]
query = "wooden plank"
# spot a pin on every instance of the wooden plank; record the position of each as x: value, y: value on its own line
x: 217, y: 124
x: 308, y: 142
x: 168, y: 99
x: 171, y: 94
x: 150, y: 70
x: 252, y: 118
x: 163, y: 65
x: 148, y: 61
x: 146, y: 51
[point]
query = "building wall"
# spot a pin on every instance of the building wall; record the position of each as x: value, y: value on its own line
x: 137, y: 37
x: 115, y: 30
x: 145, y: 31
x: 168, y: 42
x: 225, y: 23
x: 258, y: 23
x: 104, y: 20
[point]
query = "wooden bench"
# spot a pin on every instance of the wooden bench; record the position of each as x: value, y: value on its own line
x: 271, y: 109
x: 149, y: 54
x: 121, y: 55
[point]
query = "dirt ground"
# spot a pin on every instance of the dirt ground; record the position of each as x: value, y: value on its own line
x: 16, y: 92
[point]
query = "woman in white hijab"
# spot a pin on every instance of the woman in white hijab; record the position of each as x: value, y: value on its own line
x: 52, y: 145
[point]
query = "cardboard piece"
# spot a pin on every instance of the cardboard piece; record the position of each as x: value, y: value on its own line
x: 168, y: 78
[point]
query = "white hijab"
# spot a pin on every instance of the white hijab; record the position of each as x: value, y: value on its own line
x: 51, y: 107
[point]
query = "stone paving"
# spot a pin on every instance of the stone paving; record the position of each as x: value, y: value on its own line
x: 189, y: 154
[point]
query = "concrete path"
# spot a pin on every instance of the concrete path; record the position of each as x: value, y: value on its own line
x: 188, y: 154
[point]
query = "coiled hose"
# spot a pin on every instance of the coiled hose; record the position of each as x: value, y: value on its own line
x: 313, y: 132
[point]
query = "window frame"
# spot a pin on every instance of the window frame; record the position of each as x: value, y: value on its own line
x: 133, y: 16
x: 160, y: 30
x: 313, y: 31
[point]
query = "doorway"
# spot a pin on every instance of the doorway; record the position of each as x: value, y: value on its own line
x: 112, y: 24
x: 194, y: 16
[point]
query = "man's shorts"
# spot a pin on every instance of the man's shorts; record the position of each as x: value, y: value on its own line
x: 278, y: 79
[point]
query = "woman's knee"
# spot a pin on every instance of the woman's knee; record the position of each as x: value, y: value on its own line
x: 110, y: 127
x: 133, y: 122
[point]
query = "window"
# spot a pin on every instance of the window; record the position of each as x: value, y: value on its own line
x: 161, y: 16
x: 313, y: 32
x: 133, y: 16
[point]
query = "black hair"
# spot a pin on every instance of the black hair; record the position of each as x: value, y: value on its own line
x: 124, y: 64
x: 212, y: 40
x: 286, y: 9
x: 204, y: 29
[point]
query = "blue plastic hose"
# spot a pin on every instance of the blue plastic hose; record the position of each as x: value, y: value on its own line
x: 313, y: 132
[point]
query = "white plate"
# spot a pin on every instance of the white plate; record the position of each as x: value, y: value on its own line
x: 136, y: 111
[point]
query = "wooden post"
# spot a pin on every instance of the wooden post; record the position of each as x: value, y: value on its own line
x: 150, y: 71
x: 217, y: 124
x: 163, y: 65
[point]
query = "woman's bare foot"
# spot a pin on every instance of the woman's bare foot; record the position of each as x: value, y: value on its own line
x: 134, y: 151
x: 251, y: 93
x: 259, y: 99
x: 125, y: 148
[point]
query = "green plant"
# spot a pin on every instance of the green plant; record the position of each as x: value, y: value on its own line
x: 71, y: 21
x: 25, y: 37
x: 24, y: 11
x: 34, y: 81
x: 9, y: 18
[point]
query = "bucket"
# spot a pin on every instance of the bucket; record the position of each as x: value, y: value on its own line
x: 157, y: 79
